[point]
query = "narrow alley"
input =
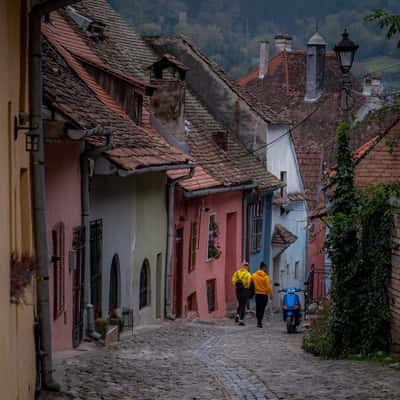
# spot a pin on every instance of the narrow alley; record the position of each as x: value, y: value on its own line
x: 213, y: 360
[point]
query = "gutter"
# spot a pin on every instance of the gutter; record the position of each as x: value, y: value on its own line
x: 170, y: 237
x: 159, y: 168
x: 205, y: 192
x: 37, y: 11
x: 86, y: 156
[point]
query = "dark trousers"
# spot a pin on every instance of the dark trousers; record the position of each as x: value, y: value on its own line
x: 242, y: 295
x: 261, y: 303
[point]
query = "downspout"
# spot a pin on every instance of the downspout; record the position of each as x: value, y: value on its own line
x: 38, y: 187
x: 86, y: 156
x: 170, y: 236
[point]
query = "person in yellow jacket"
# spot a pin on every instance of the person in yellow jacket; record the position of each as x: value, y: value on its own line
x: 262, y: 289
x: 241, y: 279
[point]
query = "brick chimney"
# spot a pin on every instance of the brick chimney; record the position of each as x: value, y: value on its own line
x: 283, y: 43
x: 264, y: 59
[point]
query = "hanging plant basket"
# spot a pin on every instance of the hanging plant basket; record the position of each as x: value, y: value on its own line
x: 21, y: 269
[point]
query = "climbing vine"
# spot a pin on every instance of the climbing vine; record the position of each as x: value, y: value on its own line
x: 359, y: 245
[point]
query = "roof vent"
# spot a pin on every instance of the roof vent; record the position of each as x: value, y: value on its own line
x: 94, y: 29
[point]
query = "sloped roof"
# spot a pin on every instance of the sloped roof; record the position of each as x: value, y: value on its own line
x: 126, y: 52
x: 282, y: 237
x: 313, y: 123
x: 69, y: 89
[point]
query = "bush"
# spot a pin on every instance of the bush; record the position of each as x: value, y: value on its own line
x: 102, y: 327
x: 319, y: 339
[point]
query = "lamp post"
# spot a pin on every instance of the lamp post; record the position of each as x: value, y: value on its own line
x: 345, y: 52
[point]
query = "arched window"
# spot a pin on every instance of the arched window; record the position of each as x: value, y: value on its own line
x: 115, y: 293
x: 144, y: 294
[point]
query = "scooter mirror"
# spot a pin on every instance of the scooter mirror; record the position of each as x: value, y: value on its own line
x: 277, y: 284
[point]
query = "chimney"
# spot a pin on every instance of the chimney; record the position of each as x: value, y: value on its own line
x: 264, y: 59
x: 283, y: 43
x: 316, y: 50
x: 372, y: 85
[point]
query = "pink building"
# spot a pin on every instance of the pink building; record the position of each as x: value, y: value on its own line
x: 63, y: 201
x: 202, y: 276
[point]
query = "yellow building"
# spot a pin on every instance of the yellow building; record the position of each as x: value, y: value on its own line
x: 17, y: 348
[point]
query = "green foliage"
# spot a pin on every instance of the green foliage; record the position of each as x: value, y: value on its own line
x: 102, y: 326
x: 359, y: 245
x: 319, y: 340
x: 230, y: 30
x: 385, y: 20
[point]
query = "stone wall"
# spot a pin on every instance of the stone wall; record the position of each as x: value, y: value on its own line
x: 395, y: 286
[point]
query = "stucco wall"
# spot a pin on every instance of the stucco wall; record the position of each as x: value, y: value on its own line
x: 296, y: 222
x: 112, y: 199
x: 151, y: 239
x: 63, y: 197
x: 194, y: 210
x: 17, y: 357
x: 281, y: 157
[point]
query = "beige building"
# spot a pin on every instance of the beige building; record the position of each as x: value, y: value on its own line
x: 17, y: 348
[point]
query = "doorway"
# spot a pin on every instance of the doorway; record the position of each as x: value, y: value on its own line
x: 276, y: 278
x: 230, y: 259
x: 78, y: 245
x: 115, y: 293
x: 96, y: 244
x: 159, y: 277
x: 178, y: 272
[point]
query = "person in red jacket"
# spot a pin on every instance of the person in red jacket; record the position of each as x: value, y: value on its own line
x: 262, y: 289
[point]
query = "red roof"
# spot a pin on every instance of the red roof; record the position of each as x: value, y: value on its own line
x: 74, y: 92
x: 314, y: 124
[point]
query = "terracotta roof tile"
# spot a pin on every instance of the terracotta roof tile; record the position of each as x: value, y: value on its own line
x: 69, y: 89
x: 283, y: 89
x: 282, y: 237
x: 124, y: 51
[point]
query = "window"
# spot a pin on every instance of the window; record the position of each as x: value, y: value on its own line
x: 192, y: 246
x: 211, y: 298
x: 287, y: 269
x: 257, y: 212
x: 137, y: 112
x: 144, y: 292
x: 284, y: 180
x: 192, y: 302
x: 212, y: 251
x: 296, y: 270
x: 58, y: 234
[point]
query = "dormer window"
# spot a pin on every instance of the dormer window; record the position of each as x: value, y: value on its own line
x: 94, y: 29
x: 168, y: 67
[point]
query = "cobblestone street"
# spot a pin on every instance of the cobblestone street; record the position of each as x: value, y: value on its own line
x: 216, y: 360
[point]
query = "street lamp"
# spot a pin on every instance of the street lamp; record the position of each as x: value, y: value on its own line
x: 345, y: 52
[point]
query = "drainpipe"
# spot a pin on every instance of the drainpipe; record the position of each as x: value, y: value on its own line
x: 206, y: 192
x: 38, y: 186
x: 160, y: 168
x: 86, y: 156
x: 170, y: 236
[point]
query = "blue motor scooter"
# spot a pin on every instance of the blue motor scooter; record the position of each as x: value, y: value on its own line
x: 291, y: 308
